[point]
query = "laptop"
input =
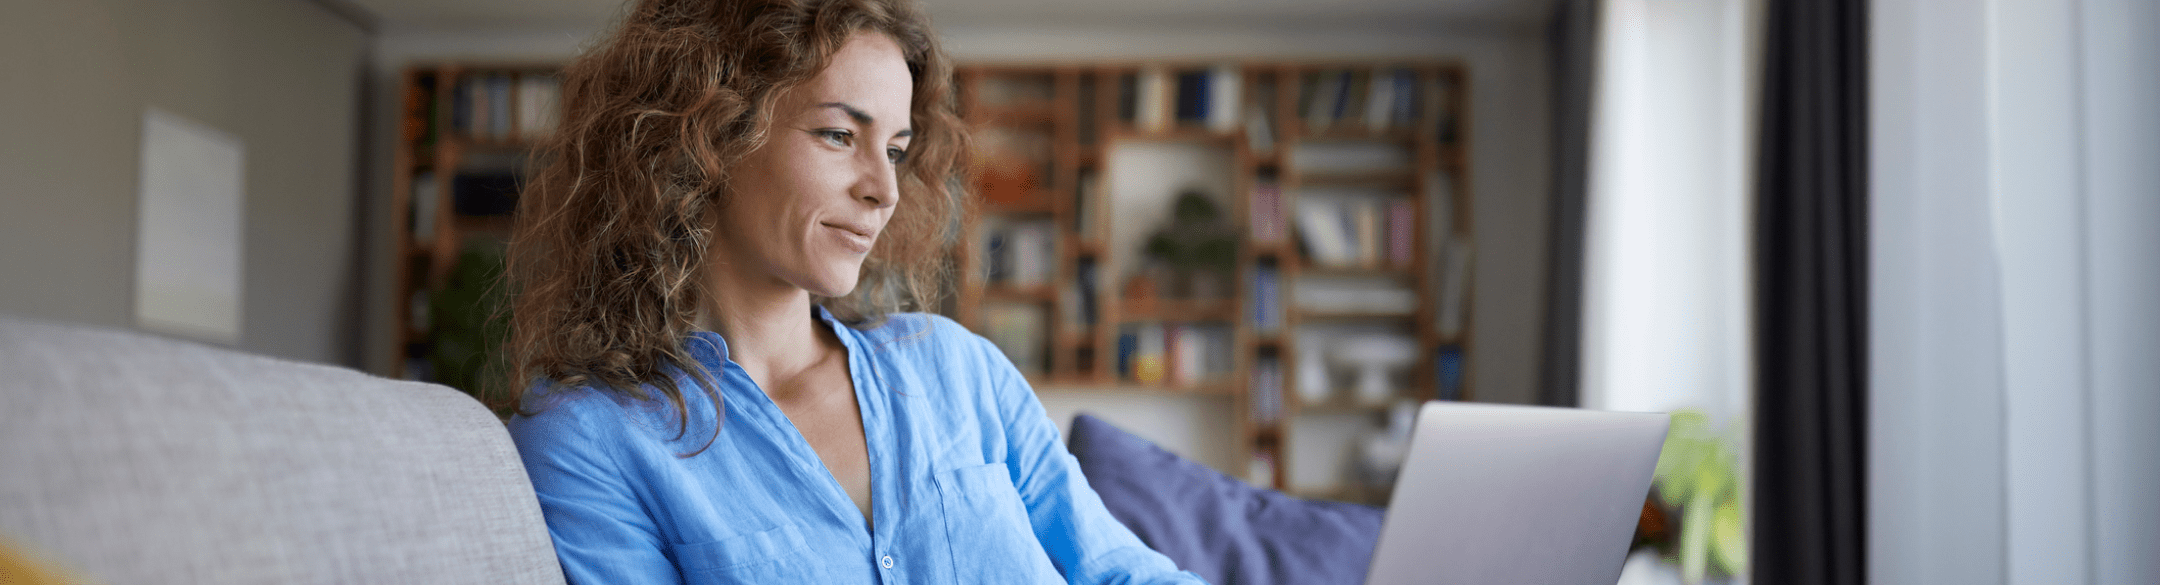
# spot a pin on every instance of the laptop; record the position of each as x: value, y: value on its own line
x: 1508, y: 494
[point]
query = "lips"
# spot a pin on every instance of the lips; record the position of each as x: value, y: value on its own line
x: 855, y: 236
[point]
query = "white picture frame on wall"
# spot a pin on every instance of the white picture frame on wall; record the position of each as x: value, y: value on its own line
x: 188, y: 237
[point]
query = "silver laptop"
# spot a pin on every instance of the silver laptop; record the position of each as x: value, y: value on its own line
x: 1507, y: 494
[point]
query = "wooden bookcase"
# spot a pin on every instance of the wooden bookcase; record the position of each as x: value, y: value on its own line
x: 464, y: 135
x: 1075, y: 118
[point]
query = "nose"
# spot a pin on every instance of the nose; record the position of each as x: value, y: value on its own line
x: 879, y: 183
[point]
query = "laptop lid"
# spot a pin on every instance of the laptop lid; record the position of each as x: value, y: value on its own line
x: 1509, y: 494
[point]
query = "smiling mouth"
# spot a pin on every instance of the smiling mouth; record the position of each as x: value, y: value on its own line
x: 856, y: 237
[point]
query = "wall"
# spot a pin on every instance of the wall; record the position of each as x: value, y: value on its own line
x: 2015, y: 304
x: 1510, y: 173
x: 282, y: 76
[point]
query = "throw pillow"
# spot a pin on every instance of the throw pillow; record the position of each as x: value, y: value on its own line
x: 1219, y: 527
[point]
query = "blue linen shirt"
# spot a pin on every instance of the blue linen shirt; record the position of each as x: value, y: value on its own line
x: 969, y: 481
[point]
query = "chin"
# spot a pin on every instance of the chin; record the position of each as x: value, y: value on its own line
x: 835, y: 284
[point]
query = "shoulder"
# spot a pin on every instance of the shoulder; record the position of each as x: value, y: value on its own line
x: 588, y: 417
x: 551, y: 413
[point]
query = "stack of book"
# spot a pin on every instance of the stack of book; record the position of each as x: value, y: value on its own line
x: 1156, y: 98
x: 1020, y: 254
x: 1356, y: 232
x: 1174, y: 353
x: 504, y: 105
x: 1382, y: 99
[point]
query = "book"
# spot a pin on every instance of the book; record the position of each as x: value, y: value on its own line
x: 1034, y: 256
x: 1266, y: 390
x: 465, y: 105
x: 1149, y: 353
x: 1084, y: 278
x: 997, y: 257
x: 498, y: 106
x: 1225, y: 83
x: 1184, y: 351
x: 1193, y: 100
x: 1401, y: 233
x: 1364, y: 217
x: 1152, y: 114
x: 1128, y: 347
x: 1448, y: 373
x: 1324, y: 91
x: 1259, y: 133
x: 1380, y: 100
x: 1350, y: 108
x: 537, y: 110
x: 1267, y: 214
x: 1267, y: 311
x: 1405, y: 95
x: 426, y: 196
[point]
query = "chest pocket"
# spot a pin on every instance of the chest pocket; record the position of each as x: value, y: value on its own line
x: 750, y: 558
x: 987, y: 525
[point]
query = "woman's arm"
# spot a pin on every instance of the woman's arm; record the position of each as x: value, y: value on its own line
x: 602, y: 534
x: 1076, y: 530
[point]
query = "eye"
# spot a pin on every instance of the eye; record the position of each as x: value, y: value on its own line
x: 896, y: 155
x: 835, y: 136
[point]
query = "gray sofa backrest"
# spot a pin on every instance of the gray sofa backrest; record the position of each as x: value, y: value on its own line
x: 130, y: 458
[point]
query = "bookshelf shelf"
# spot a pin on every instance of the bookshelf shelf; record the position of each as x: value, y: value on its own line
x: 1379, y: 179
x: 1024, y: 294
x: 1315, y: 316
x: 1372, y: 272
x: 1178, y: 310
x: 1194, y: 135
x: 1031, y: 114
x: 1386, y: 224
x: 1038, y: 203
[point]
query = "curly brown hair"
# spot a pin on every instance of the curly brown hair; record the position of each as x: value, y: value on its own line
x: 609, y: 249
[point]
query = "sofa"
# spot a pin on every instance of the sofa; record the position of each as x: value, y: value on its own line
x: 131, y: 458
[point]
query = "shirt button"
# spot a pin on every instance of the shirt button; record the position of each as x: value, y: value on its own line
x: 885, y: 561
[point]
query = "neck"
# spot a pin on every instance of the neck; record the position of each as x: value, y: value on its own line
x: 769, y: 328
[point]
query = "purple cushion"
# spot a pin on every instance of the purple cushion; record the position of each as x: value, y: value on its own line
x: 1219, y: 527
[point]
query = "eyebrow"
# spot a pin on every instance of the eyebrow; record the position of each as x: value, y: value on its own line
x: 863, y: 118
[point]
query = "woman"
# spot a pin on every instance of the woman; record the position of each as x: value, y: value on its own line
x: 709, y: 269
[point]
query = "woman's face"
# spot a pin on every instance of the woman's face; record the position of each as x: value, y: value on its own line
x: 809, y: 204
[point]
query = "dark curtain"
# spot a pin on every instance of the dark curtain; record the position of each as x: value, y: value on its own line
x: 1811, y: 296
x: 1573, y: 39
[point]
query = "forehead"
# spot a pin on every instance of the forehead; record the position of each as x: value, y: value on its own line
x: 868, y: 73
